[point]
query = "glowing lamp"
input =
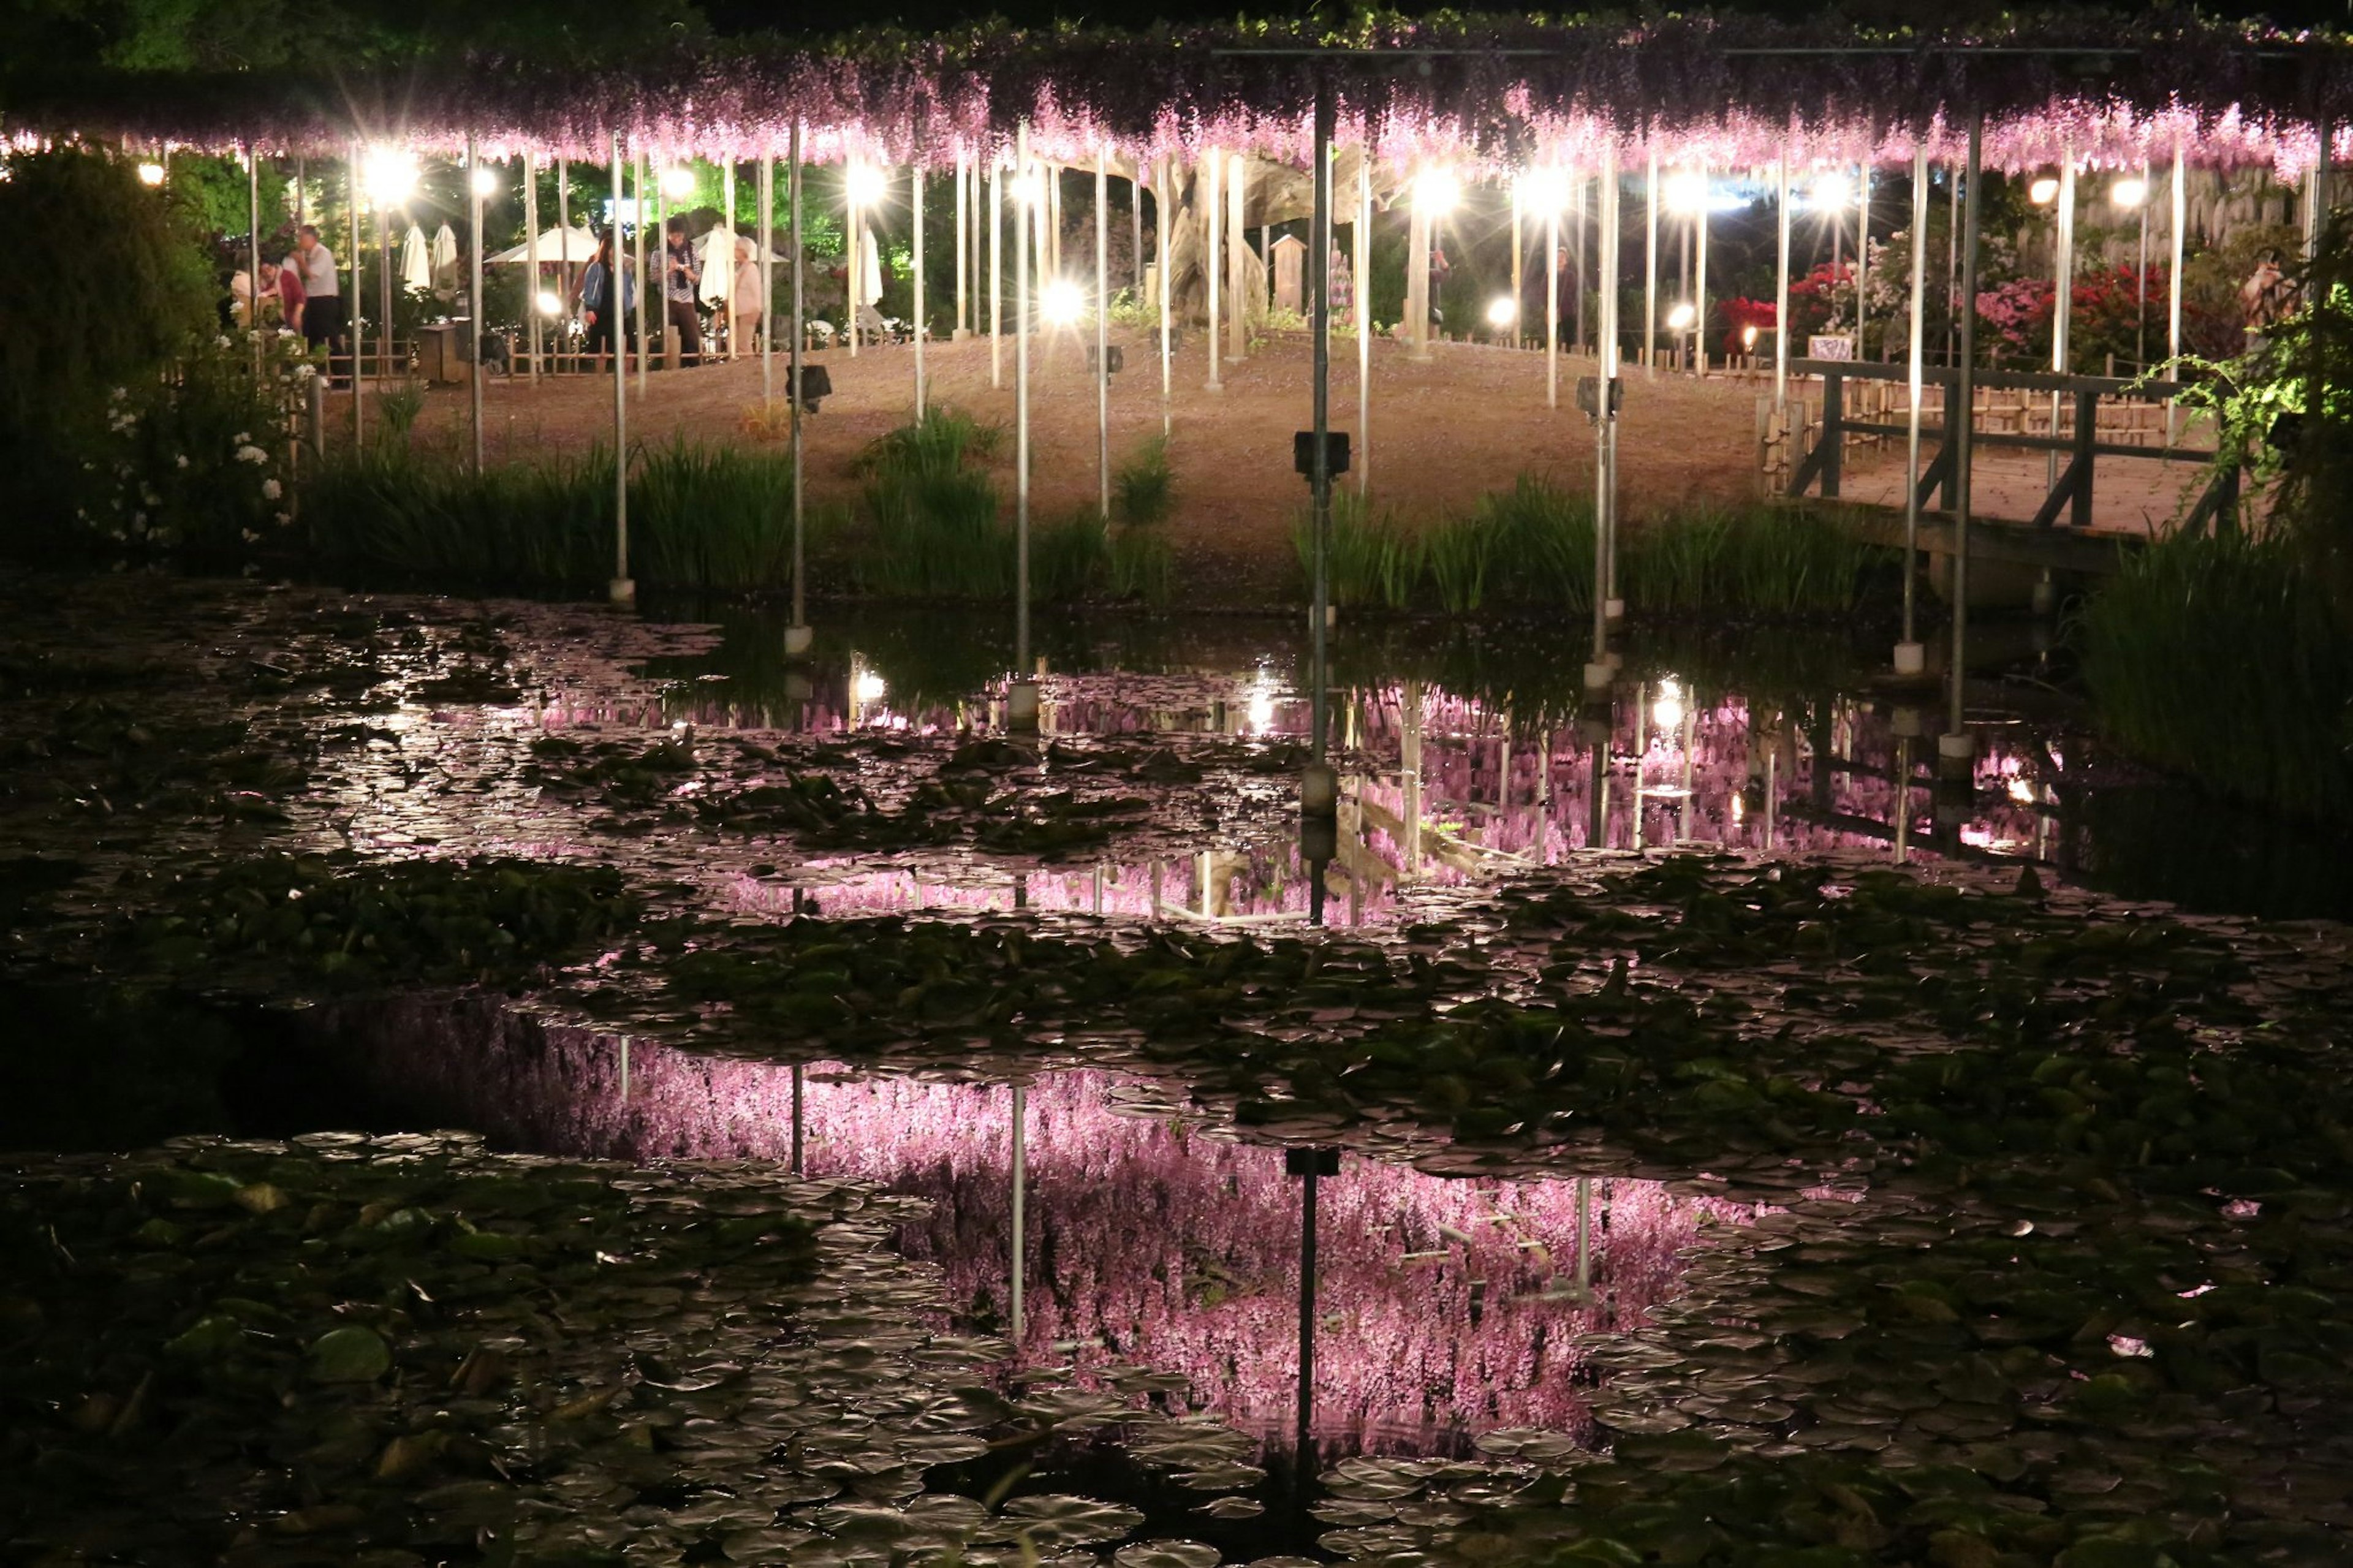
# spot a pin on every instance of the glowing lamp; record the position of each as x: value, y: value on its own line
x: 868, y: 686
x: 1748, y: 337
x: 1831, y: 193
x: 1667, y: 712
x: 1502, y: 311
x: 2129, y: 192
x: 549, y: 305
x: 1680, y: 317
x: 151, y: 173
x: 389, y: 175
x: 485, y: 180
x: 2043, y: 191
x: 866, y: 184
x: 1436, y: 192
x: 2020, y: 791
x: 1545, y: 190
x: 1061, y: 303
x: 678, y: 182
x: 1686, y: 193
x: 1030, y: 188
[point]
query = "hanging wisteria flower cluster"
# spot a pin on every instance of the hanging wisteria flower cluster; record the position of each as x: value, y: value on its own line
x: 1487, y: 94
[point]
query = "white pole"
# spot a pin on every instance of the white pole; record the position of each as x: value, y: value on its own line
x: 1606, y: 352
x: 2173, y: 292
x: 1364, y: 298
x: 923, y: 324
x: 797, y: 636
x: 1782, y: 292
x: 996, y: 271
x: 621, y: 590
x: 1552, y: 307
x: 1024, y: 177
x: 2062, y: 301
x: 1613, y: 242
x: 645, y: 282
x: 1909, y: 657
x: 1206, y: 175
x: 964, y: 243
x: 853, y: 276
x: 563, y: 227
x: 1103, y: 331
x: 767, y: 278
x: 1699, y: 293
x: 478, y: 318
x: 530, y: 238
x: 1651, y: 268
x: 1018, y: 1262
x: 1160, y: 244
x: 253, y: 256
x: 1416, y: 277
x: 1861, y: 250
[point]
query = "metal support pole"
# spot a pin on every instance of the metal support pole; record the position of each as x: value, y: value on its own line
x: 1102, y: 333
x: 352, y: 315
x: 768, y: 279
x: 1519, y: 286
x: 1319, y: 468
x: 1862, y: 251
x: 1237, y: 253
x: 621, y: 590
x: 2063, y: 299
x: 2173, y: 292
x: 1699, y: 284
x: 1024, y: 177
x: 478, y: 320
x: 1606, y: 391
x: 1207, y: 174
x: 1552, y: 307
x: 645, y: 280
x: 1908, y: 650
x: 996, y: 271
x: 722, y: 251
x: 1960, y: 424
x: 1306, y: 1317
x: 799, y: 632
x: 853, y: 275
x: 1782, y: 292
x: 964, y: 243
x: 1160, y: 244
x: 530, y: 241
x: 563, y: 227
x: 1417, y: 279
x: 253, y: 254
x: 1017, y: 1260
x: 1135, y: 231
x: 922, y: 321
x: 1363, y: 296
x: 1651, y: 268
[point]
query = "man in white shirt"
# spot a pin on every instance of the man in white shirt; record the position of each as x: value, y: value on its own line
x: 322, y: 307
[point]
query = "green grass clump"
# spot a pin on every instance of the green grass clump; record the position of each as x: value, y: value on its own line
x: 1069, y: 558
x: 1768, y: 560
x: 1539, y: 545
x: 1375, y: 559
x: 932, y: 534
x: 944, y: 440
x: 2222, y: 659
x: 1144, y: 488
x: 1142, y: 565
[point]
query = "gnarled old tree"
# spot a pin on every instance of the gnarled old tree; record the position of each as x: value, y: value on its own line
x: 1272, y: 193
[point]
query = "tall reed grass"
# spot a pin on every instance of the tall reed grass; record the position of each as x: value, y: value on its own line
x: 1375, y: 558
x: 2222, y: 659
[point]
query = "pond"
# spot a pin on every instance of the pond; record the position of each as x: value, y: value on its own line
x: 1711, y: 1134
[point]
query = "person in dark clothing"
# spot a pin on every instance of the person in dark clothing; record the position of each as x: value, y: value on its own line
x: 681, y: 278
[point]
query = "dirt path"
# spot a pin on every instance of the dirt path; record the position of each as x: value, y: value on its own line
x: 1470, y: 419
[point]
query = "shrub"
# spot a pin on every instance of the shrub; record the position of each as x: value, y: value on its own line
x: 1142, y: 566
x: 1069, y: 558
x: 1143, y: 488
x: 1375, y: 559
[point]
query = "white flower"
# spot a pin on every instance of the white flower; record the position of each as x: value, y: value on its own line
x: 284, y: 518
x: 251, y: 455
x: 150, y: 498
x: 248, y: 536
x: 221, y: 342
x: 117, y: 396
x: 270, y: 490
x: 240, y: 438
x: 182, y: 460
x: 305, y: 371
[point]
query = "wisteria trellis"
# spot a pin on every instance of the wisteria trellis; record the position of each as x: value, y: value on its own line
x: 1485, y: 93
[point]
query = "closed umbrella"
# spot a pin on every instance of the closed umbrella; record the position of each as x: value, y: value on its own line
x: 445, y: 247
x: 870, y: 269
x: 415, y: 261
x: 574, y: 246
x: 715, y: 248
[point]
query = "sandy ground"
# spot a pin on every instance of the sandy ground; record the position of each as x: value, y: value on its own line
x: 1472, y: 418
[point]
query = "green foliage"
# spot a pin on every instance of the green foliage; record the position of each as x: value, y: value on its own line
x: 933, y: 530
x: 1069, y: 558
x: 108, y: 311
x: 2222, y: 659
x: 1144, y: 488
x: 942, y: 441
x: 211, y: 195
x: 1458, y: 551
x: 1539, y: 545
x: 1375, y: 558
x: 1771, y: 560
x: 1142, y: 565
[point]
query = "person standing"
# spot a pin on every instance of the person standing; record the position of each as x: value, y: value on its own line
x: 285, y: 279
x: 743, y: 301
x: 604, y: 310
x: 323, y: 322
x: 681, y: 278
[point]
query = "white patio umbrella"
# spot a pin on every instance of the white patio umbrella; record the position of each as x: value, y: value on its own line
x: 415, y: 260
x: 574, y: 245
x: 870, y: 269
x: 714, y: 250
x: 445, y: 247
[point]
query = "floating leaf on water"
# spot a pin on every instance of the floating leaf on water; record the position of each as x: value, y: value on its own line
x: 1231, y: 1508
x: 1055, y: 1519
x: 1167, y: 1555
x: 353, y: 1353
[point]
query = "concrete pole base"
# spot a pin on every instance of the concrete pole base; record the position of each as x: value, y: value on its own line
x: 1600, y: 677
x: 1956, y: 754
x: 798, y: 640
x: 622, y: 591
x: 1021, y: 707
x: 1911, y: 659
x: 1614, y: 610
x: 1908, y: 724
x: 1331, y: 616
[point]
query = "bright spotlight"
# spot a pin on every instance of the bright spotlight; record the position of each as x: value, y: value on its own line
x: 389, y: 175
x: 866, y: 184
x: 2043, y: 191
x: 1502, y: 311
x: 1028, y: 187
x: 1686, y: 193
x: 1680, y: 317
x: 1748, y: 337
x: 1061, y: 303
x: 678, y: 182
x: 1831, y: 193
x: 868, y: 687
x: 1436, y: 192
x: 151, y: 173
x: 1545, y: 190
x: 2129, y: 192
x: 1667, y: 712
x: 485, y: 181
x: 549, y: 305
x: 2020, y: 790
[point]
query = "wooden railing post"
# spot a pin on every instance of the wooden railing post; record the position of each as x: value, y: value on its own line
x: 2087, y: 430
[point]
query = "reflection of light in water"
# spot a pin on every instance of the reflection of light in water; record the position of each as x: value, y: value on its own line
x: 1667, y: 712
x: 2020, y: 791
x: 868, y: 687
x: 1262, y: 704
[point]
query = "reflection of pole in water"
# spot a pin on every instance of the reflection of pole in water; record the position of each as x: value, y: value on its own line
x: 1772, y: 792
x: 1584, y: 1232
x: 1017, y: 1260
x: 1902, y: 798
x: 1410, y: 756
x: 1691, y: 734
x: 1308, y: 1163
x: 625, y: 1070
x: 1020, y: 890
x: 1597, y: 815
x: 1641, y: 754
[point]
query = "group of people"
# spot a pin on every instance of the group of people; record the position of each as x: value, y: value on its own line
x: 304, y: 290
x: 606, y: 296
